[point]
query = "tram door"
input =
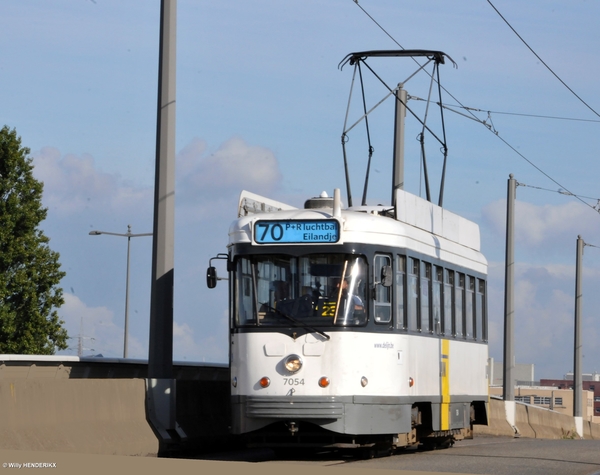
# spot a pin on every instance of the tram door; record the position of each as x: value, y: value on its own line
x: 445, y: 383
x: 442, y: 329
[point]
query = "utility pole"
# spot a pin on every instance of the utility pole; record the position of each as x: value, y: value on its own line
x: 129, y: 235
x: 509, y: 297
x: 161, y: 390
x: 577, y: 379
x: 398, y: 163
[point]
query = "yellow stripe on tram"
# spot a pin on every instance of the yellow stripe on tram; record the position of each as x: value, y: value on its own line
x: 445, y: 370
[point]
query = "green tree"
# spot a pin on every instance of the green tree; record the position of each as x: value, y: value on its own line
x: 29, y: 269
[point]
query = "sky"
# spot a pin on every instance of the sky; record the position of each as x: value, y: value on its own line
x: 261, y: 105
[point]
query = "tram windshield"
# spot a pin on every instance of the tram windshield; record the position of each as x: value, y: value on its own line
x: 314, y: 290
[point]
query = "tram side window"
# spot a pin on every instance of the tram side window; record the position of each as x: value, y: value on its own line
x: 383, y: 292
x: 469, y: 306
x: 413, y: 294
x: 425, y: 297
x: 448, y: 302
x: 459, y: 297
x: 436, y: 301
x: 400, y: 293
x: 480, y: 308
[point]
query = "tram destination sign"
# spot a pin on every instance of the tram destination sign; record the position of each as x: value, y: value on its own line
x: 300, y: 231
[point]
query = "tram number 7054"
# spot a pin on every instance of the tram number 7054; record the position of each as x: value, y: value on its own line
x: 293, y: 382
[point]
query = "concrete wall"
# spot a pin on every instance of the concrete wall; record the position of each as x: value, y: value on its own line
x: 534, y: 422
x: 594, y: 430
x: 98, y: 405
x: 522, y: 421
x: 550, y: 425
x: 497, y: 423
x: 96, y: 416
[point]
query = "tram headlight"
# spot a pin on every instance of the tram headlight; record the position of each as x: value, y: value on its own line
x: 293, y: 363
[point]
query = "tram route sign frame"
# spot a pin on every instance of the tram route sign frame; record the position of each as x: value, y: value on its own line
x: 296, y: 231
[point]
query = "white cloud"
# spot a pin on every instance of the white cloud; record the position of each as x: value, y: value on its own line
x: 207, y: 183
x: 94, y: 326
x: 78, y: 193
x: 537, y: 226
x: 234, y: 166
x: 187, y: 345
x: 73, y: 184
x: 95, y: 329
x: 544, y: 301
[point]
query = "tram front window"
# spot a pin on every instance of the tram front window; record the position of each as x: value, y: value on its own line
x: 316, y: 290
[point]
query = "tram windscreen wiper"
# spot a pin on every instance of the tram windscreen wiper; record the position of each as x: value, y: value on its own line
x: 298, y: 322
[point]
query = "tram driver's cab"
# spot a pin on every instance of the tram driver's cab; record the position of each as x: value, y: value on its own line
x: 318, y: 289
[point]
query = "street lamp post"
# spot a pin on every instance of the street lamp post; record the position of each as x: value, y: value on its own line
x: 128, y: 235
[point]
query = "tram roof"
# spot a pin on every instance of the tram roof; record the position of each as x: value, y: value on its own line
x: 413, y: 223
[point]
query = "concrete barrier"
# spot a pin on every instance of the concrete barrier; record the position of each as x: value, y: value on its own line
x: 594, y: 430
x: 587, y: 430
x: 497, y: 423
x: 534, y: 422
x: 98, y: 405
x: 95, y: 416
x: 549, y: 424
x: 522, y: 422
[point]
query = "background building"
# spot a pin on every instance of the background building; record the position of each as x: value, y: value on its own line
x: 590, y: 383
x: 524, y: 373
x: 553, y: 398
x: 554, y: 394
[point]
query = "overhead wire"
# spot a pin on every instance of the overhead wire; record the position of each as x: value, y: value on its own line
x: 564, y: 192
x: 538, y: 116
x: 542, y: 61
x: 402, y: 47
x: 375, y: 21
x: 490, y: 126
x: 518, y: 114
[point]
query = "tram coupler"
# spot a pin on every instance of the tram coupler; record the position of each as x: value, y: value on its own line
x: 293, y: 428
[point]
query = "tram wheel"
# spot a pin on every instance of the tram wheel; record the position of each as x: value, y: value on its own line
x: 367, y: 453
x: 436, y: 443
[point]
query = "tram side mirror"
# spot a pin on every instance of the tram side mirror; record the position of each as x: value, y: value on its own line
x: 211, y: 277
x: 211, y: 272
x: 387, y: 278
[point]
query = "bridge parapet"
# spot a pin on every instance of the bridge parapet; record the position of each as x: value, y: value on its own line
x: 534, y: 422
x: 98, y: 405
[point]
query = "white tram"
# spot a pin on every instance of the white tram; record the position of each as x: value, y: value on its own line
x: 357, y: 327
x: 354, y: 327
